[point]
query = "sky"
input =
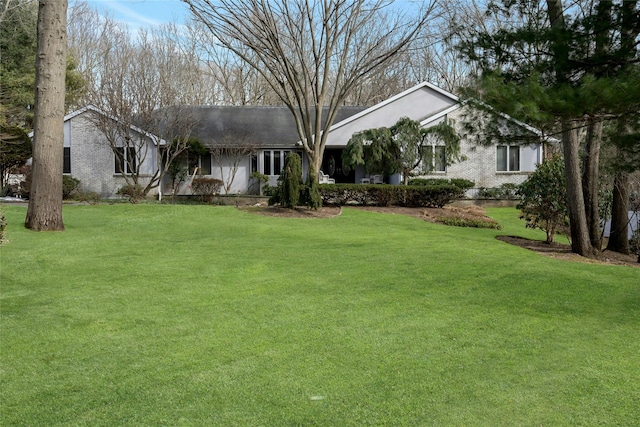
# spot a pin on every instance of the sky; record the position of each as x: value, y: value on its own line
x: 142, y: 13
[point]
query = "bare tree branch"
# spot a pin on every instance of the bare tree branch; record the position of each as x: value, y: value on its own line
x: 312, y: 53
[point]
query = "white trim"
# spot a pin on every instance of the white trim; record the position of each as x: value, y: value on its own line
x: 392, y: 99
x: 439, y: 115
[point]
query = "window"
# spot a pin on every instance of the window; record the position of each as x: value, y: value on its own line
x: 508, y: 158
x: 199, y: 164
x: 254, y: 163
x: 205, y: 164
x: 125, y: 160
x: 273, y: 161
x: 66, y: 160
x: 433, y: 158
x: 266, y: 157
x: 277, y: 163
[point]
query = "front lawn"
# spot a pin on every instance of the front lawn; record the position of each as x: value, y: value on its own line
x: 204, y: 315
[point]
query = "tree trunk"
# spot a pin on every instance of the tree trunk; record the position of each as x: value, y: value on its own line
x: 590, y: 172
x: 580, y: 242
x: 45, y: 203
x: 618, y: 237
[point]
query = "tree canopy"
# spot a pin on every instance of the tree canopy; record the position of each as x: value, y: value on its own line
x: 569, y: 70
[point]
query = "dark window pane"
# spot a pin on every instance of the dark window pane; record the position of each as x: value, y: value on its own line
x: 205, y: 164
x: 119, y: 159
x: 267, y: 162
x: 514, y: 158
x: 66, y: 162
x: 132, y: 166
x: 254, y: 163
x: 501, y: 158
x: 277, y: 164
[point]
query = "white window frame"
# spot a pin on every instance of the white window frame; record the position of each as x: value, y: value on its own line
x: 122, y: 156
x: 200, y: 162
x: 509, y: 167
x: 282, y: 154
x: 435, y: 166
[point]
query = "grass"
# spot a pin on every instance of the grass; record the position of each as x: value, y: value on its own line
x: 201, y: 315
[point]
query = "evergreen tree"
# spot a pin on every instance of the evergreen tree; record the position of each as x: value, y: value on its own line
x: 18, y: 61
x: 290, y: 181
x: 563, y: 68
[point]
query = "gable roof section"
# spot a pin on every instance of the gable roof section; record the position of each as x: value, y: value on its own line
x: 421, y: 102
x: 424, y: 102
x: 93, y: 109
x: 421, y: 87
x: 266, y: 127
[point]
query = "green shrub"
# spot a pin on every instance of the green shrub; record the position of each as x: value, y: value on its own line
x: 206, y: 188
x: 505, y: 191
x: 289, y: 182
x: 312, y: 197
x: 70, y: 185
x: 463, y: 184
x: 424, y: 182
x: 435, y: 196
x: 543, y: 198
x: 268, y: 190
x: 134, y: 192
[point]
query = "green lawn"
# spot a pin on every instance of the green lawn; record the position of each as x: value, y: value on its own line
x: 202, y: 315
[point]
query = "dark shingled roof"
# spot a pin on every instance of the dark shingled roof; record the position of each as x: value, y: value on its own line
x: 266, y: 127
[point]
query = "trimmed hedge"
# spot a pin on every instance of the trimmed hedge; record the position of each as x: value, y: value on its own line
x: 464, y: 184
x: 434, y: 196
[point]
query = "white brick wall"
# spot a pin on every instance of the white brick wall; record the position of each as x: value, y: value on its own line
x: 92, y: 160
x: 480, y: 164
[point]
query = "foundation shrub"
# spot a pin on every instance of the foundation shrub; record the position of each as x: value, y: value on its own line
x: 435, y: 196
x: 206, y: 188
x: 134, y: 192
x: 70, y: 186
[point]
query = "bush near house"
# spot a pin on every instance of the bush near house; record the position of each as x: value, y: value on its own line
x: 463, y: 184
x: 433, y: 196
x: 207, y: 188
x: 290, y: 185
x: 70, y: 185
x: 134, y: 192
x: 543, y: 198
x: 505, y: 191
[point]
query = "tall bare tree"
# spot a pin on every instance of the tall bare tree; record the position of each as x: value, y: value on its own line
x: 137, y: 92
x: 45, y: 203
x: 136, y: 81
x: 312, y: 53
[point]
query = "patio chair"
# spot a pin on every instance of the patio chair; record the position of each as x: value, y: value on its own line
x: 377, y: 179
x: 324, y: 179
